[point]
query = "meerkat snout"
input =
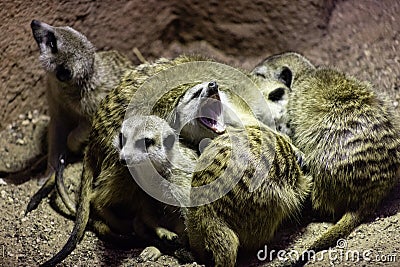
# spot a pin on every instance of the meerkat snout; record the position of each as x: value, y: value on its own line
x: 212, y: 88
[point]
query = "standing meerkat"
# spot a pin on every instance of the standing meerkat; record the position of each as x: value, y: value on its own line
x: 350, y: 136
x: 78, y: 78
x: 267, y: 186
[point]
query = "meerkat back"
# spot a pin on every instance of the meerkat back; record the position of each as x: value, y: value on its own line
x: 350, y: 136
x: 255, y: 188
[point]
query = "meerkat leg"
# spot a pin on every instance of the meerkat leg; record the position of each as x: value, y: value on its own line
x: 104, y: 232
x: 78, y: 136
x: 223, y: 243
x: 147, y: 228
x: 57, y: 136
x: 215, y: 237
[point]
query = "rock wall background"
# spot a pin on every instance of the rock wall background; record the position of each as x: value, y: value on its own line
x: 239, y: 32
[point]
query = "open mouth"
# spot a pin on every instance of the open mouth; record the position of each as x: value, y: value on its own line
x: 211, y: 114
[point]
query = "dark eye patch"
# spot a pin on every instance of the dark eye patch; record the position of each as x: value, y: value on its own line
x: 144, y: 143
x: 51, y: 42
x: 276, y: 94
x: 286, y: 76
x: 169, y: 141
x: 149, y: 142
x: 63, y: 74
x: 196, y: 94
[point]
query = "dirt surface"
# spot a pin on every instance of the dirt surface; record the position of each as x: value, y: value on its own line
x: 359, y: 37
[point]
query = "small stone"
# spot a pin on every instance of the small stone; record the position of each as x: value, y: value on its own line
x: 2, y: 182
x: 395, y: 104
x: 8, y: 165
x: 21, y: 116
x: 25, y: 122
x: 20, y: 141
x: 3, y: 194
x: 30, y: 115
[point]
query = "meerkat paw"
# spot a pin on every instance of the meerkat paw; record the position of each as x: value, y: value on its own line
x: 163, y: 233
x: 150, y: 254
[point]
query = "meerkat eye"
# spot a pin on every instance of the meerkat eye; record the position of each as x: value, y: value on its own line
x: 149, y: 142
x: 63, y: 74
x: 144, y: 143
x: 122, y: 140
x: 197, y: 94
x: 52, y: 42
x: 259, y: 73
x: 169, y: 141
x: 276, y: 94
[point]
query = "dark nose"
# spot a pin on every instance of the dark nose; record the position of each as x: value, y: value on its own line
x: 35, y: 24
x: 213, y: 87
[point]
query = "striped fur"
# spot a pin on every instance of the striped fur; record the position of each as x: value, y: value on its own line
x: 244, y: 218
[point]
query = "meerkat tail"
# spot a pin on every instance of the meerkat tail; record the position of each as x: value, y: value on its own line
x: 43, y: 192
x: 341, y: 229
x: 82, y: 218
x: 60, y: 186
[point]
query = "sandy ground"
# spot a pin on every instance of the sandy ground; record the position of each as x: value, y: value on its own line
x: 362, y: 39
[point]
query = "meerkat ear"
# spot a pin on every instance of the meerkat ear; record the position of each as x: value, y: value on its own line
x: 286, y: 76
x: 276, y: 94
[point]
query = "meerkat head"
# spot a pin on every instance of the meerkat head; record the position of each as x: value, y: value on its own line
x: 64, y: 52
x: 283, y: 67
x: 145, y: 138
x: 199, y: 113
x: 276, y: 95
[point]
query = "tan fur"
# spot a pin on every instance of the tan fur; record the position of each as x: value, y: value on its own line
x: 244, y: 219
x: 350, y: 136
x: 78, y: 78
x: 108, y: 193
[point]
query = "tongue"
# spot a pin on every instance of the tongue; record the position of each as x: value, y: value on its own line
x: 211, y: 116
x: 214, y: 125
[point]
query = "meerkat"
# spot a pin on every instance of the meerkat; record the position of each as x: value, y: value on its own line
x: 108, y: 192
x: 275, y: 71
x: 350, y: 136
x: 284, y: 69
x: 78, y: 78
x: 259, y: 170
x: 150, y: 148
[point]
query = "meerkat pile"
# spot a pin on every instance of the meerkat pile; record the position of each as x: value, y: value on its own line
x: 350, y: 137
x: 108, y: 192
